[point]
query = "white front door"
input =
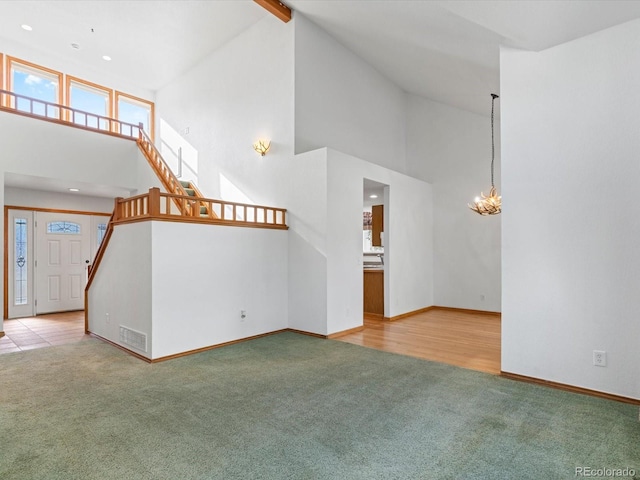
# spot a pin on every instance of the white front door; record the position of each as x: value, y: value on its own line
x: 62, y: 256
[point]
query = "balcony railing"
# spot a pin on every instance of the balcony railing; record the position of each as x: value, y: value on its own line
x: 166, y: 206
x: 53, y: 112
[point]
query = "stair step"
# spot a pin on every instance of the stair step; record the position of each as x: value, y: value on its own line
x: 185, y: 184
x: 190, y: 191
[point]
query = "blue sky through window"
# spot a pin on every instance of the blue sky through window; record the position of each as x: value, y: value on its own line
x: 86, y: 100
x: 134, y: 113
x: 35, y: 86
x: 43, y: 85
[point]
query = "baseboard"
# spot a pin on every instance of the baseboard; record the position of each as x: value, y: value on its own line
x: 302, y: 332
x: 409, y: 314
x: 569, y: 388
x: 434, y: 307
x: 466, y: 310
x: 1, y: 334
x: 211, y: 347
x: 217, y: 345
x: 345, y: 332
x: 119, y: 347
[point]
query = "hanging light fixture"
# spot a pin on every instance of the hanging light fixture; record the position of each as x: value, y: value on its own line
x: 492, y: 204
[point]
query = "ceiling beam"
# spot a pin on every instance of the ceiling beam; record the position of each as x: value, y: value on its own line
x: 277, y: 8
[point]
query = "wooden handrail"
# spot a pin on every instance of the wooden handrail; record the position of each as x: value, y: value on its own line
x: 56, y: 113
x: 158, y: 205
x: 103, y: 246
x: 160, y: 167
x: 93, y: 268
x: 166, y: 175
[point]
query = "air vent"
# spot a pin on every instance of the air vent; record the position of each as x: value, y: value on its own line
x: 132, y: 338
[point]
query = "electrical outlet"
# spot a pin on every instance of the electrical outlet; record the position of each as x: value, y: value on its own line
x: 600, y: 358
x: 482, y: 298
x: 243, y: 315
x: 107, y: 319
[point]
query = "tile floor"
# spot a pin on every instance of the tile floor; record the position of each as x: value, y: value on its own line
x: 42, y: 331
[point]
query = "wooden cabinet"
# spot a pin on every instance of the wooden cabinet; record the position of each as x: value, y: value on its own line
x: 377, y: 224
x: 374, y: 291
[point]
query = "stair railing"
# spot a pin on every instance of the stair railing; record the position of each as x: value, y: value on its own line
x: 160, y: 167
x: 96, y: 262
x: 166, y: 175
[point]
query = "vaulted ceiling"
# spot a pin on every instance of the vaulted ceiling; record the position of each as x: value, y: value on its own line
x: 444, y: 50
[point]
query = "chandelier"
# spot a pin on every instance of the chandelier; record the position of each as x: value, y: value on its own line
x: 489, y: 204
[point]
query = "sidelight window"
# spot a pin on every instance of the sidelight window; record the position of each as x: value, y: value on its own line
x: 20, y: 265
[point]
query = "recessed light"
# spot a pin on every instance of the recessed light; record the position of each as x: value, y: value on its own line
x: 373, y: 196
x: 74, y: 189
x: 26, y: 27
x: 106, y: 57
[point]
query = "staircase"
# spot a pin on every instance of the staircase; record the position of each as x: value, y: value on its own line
x: 169, y: 181
x: 191, y: 190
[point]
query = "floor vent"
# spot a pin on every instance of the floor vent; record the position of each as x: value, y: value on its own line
x: 137, y: 340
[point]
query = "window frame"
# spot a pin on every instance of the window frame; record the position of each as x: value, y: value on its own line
x: 142, y: 101
x: 2, y: 69
x: 26, y: 265
x: 63, y: 224
x: 63, y: 94
x: 11, y: 61
x: 69, y: 79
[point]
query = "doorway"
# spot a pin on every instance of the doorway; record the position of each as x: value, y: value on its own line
x: 47, y: 258
x: 374, y: 246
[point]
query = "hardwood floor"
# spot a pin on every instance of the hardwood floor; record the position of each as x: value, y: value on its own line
x: 465, y: 339
x: 42, y: 331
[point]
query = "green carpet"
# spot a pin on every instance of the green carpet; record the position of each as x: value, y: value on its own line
x: 295, y: 407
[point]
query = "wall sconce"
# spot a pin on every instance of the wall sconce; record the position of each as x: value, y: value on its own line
x: 262, y: 147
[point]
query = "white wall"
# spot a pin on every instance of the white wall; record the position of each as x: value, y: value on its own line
x: 23, y: 197
x: 198, y: 296
x: 307, y: 220
x: 343, y: 103
x: 122, y: 286
x: 240, y: 93
x: 228, y: 104
x: 571, y: 220
x: 44, y: 149
x: 192, y: 300
x: 451, y: 149
x: 408, y: 241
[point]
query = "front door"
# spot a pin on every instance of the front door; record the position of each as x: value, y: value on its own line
x: 62, y: 256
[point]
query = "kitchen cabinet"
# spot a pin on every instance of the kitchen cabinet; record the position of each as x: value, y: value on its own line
x: 374, y: 291
x: 377, y: 225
